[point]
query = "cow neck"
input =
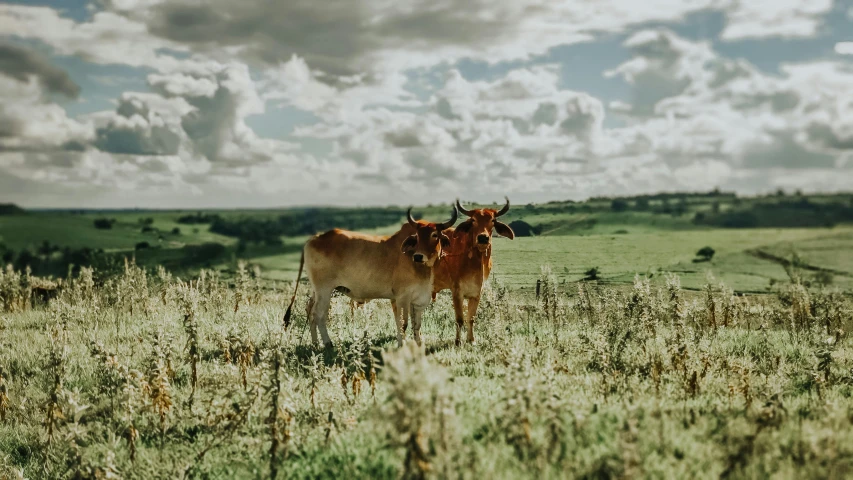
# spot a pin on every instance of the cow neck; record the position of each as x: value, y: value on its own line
x: 467, y: 246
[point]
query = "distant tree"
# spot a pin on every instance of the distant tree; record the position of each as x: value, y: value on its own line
x: 739, y: 220
x: 699, y: 217
x: 521, y: 228
x: 591, y: 274
x: 780, y: 192
x: 8, y: 256
x: 146, y: 221
x: 642, y: 204
x: 147, y: 229
x: 104, y: 223
x: 715, y: 206
x: 45, y: 250
x: 619, y: 205
x: 273, y: 241
x: 24, y: 260
x: 706, y: 254
x: 680, y: 207
x: 10, y: 209
x: 142, y: 245
x: 176, y: 231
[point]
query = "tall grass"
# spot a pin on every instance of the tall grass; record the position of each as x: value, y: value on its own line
x: 149, y: 376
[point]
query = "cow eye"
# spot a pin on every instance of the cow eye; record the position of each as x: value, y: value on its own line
x: 434, y: 234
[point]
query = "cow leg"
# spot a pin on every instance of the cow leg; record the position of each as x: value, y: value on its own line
x: 321, y: 315
x: 396, y: 314
x: 457, y: 309
x: 417, y: 316
x: 401, y: 317
x: 473, y: 303
x: 310, y: 311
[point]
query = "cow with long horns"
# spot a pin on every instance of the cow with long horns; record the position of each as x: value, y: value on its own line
x: 468, y: 261
x: 366, y: 267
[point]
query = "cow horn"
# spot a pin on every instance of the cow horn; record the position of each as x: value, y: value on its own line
x: 503, y: 210
x: 449, y: 223
x: 461, y: 209
x: 409, y: 217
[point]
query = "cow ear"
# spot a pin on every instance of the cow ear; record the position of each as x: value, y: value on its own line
x: 445, y: 242
x: 504, y: 230
x: 465, y: 226
x: 410, y: 243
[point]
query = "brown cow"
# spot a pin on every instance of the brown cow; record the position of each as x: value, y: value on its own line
x: 365, y: 267
x: 468, y: 261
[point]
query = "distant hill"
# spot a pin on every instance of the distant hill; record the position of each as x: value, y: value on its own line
x: 11, y: 209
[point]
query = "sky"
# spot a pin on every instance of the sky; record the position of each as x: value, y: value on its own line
x: 225, y: 104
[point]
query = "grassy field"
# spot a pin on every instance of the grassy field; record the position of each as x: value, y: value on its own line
x: 639, y: 374
x: 145, y: 377
x: 572, y: 238
x: 77, y: 230
x: 620, y: 257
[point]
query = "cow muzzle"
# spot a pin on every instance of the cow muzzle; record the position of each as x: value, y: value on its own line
x: 482, y: 239
x: 418, y: 258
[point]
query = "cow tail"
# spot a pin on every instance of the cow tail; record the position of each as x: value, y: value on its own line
x: 295, y: 289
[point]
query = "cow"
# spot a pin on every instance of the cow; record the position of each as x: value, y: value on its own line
x: 468, y: 261
x: 366, y: 267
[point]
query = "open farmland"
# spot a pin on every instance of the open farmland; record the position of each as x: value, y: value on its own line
x: 662, y: 366
x: 619, y: 257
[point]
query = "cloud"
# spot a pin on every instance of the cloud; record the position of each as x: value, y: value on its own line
x: 694, y: 112
x: 138, y: 129
x: 222, y: 96
x: 844, y: 48
x: 394, y: 115
x: 22, y: 63
x: 773, y: 18
x: 108, y: 38
x: 198, y: 110
x: 369, y: 37
x: 28, y: 121
x: 724, y: 110
x: 488, y: 132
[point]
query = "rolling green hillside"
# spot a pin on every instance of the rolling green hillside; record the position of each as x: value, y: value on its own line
x: 648, y: 235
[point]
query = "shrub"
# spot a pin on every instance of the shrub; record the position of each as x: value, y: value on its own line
x: 521, y: 228
x: 705, y: 254
x: 104, y: 223
x: 619, y: 205
x: 142, y: 245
